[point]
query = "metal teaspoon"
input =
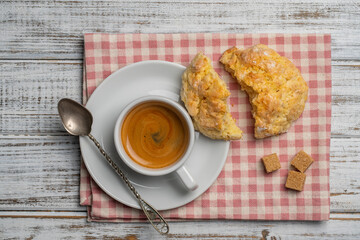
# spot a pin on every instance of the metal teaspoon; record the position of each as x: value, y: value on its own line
x: 77, y: 121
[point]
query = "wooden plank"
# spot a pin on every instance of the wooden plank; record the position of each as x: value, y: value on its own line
x: 30, y: 91
x: 344, y: 175
x: 77, y: 228
x: 39, y: 173
x: 345, y: 118
x: 42, y: 173
x: 43, y: 214
x: 36, y: 29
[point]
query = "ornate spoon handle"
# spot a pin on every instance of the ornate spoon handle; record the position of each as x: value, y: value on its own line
x: 155, y: 218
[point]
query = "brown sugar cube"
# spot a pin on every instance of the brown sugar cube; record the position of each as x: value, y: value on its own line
x: 295, y: 180
x: 302, y: 161
x: 271, y: 162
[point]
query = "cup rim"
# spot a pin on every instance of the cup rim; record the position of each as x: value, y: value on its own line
x: 141, y: 169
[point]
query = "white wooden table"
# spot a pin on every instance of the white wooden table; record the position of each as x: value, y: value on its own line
x: 41, y: 52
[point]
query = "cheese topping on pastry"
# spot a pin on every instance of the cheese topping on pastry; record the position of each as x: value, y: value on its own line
x: 276, y: 89
x: 204, y: 94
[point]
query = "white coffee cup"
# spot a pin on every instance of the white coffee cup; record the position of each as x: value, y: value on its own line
x: 177, y: 167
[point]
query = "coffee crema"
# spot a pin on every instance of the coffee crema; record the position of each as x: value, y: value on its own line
x: 154, y: 135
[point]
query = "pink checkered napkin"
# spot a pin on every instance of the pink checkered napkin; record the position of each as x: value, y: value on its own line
x: 243, y: 190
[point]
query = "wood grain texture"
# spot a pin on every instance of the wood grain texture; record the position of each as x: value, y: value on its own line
x: 344, y: 175
x: 345, y: 99
x: 76, y: 228
x: 39, y: 173
x: 41, y: 51
x: 42, y: 173
x: 31, y: 89
x: 36, y: 29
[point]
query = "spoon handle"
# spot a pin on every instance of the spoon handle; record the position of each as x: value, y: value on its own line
x: 155, y: 218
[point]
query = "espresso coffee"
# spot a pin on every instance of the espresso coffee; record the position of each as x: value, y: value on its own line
x: 154, y: 135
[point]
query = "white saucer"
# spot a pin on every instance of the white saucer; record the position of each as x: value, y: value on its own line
x: 166, y: 192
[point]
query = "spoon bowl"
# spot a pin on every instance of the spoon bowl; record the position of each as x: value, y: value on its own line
x: 76, y: 119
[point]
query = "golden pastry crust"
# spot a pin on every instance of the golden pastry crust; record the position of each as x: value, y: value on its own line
x: 204, y: 94
x: 276, y: 89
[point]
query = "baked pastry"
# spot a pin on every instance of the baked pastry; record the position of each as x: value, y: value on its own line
x: 276, y: 89
x: 204, y: 94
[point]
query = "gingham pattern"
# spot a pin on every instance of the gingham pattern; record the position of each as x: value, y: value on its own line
x: 243, y: 190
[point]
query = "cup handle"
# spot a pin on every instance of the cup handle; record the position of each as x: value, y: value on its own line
x: 186, y: 178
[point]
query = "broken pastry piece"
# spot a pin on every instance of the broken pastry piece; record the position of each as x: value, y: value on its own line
x: 204, y: 94
x: 276, y: 89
